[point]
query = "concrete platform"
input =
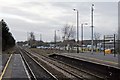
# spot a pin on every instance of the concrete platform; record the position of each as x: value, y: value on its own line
x: 16, y: 68
x: 98, y: 58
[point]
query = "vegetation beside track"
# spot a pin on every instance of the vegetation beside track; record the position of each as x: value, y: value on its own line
x: 8, y: 40
x: 46, y: 51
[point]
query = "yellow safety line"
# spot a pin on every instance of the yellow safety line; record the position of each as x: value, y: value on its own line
x: 5, y: 67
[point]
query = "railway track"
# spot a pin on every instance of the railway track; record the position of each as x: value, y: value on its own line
x: 35, y: 69
x: 106, y: 72
x: 73, y: 71
x: 69, y: 76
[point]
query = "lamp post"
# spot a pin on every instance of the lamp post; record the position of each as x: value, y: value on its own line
x: 92, y: 28
x: 55, y: 39
x: 40, y: 37
x: 82, y: 25
x: 77, y: 30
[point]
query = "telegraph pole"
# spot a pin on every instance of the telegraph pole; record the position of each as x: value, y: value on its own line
x: 28, y: 41
x: 92, y: 28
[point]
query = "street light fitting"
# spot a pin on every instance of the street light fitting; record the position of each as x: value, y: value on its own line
x: 85, y: 23
x: 74, y: 9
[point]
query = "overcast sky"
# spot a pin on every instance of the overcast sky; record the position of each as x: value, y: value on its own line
x: 23, y: 16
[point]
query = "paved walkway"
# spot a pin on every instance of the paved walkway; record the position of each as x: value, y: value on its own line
x: 98, y: 58
x: 16, y: 68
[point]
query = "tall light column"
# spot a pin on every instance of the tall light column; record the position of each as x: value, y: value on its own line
x: 92, y: 28
x: 82, y: 25
x: 40, y: 37
x: 55, y: 39
x: 82, y: 38
x: 77, y: 30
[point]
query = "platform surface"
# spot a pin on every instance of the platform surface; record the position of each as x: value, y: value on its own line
x: 16, y: 68
x: 99, y: 58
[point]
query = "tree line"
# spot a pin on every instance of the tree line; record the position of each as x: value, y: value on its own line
x: 7, y: 39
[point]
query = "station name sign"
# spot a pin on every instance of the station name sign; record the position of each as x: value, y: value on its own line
x: 109, y: 37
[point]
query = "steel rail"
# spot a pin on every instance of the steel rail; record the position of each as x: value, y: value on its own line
x: 32, y: 75
x: 42, y: 66
x: 70, y: 72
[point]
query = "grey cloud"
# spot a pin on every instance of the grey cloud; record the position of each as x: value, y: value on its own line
x: 108, y: 8
x: 31, y: 3
x: 21, y: 13
x: 104, y: 12
x: 23, y: 27
x: 15, y: 11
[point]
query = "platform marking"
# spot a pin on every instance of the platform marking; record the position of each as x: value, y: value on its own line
x: 25, y: 68
x: 4, y: 70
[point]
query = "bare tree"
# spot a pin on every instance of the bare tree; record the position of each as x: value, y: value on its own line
x: 96, y: 37
x: 32, y: 36
x: 31, y: 39
x: 68, y: 32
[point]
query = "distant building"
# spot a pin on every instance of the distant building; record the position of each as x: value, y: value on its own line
x: 95, y: 42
